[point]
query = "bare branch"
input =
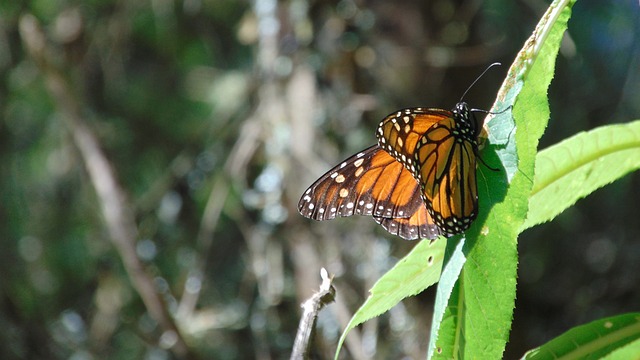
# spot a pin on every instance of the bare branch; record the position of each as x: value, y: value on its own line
x: 311, y: 308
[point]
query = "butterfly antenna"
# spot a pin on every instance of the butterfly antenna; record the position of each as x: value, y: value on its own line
x: 478, y: 78
x: 492, y: 113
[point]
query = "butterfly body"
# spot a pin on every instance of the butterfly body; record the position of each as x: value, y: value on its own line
x: 418, y: 182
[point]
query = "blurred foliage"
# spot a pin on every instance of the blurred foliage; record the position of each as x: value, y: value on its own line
x: 228, y: 108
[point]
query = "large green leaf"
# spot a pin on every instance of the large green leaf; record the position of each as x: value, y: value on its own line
x: 481, y: 304
x: 614, y: 337
x: 576, y: 167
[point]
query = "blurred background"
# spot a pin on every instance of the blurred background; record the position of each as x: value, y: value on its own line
x: 153, y: 153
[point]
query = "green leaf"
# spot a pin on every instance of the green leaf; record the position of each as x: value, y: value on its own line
x: 624, y: 353
x: 482, y: 302
x: 410, y: 276
x: 576, y: 167
x: 617, y: 336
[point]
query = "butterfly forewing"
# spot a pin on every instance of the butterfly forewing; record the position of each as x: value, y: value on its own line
x: 446, y: 159
x: 368, y: 183
x: 399, y: 132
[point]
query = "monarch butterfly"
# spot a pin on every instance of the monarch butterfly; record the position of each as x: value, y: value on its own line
x: 419, y: 181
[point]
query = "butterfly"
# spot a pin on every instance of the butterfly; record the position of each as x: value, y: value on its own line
x: 419, y: 181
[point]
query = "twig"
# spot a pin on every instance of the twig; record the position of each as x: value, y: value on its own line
x: 115, y: 208
x: 311, y: 308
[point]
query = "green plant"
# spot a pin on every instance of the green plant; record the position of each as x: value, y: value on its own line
x: 476, y: 274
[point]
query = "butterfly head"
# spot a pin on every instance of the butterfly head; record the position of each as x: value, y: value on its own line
x: 461, y: 111
x: 466, y: 123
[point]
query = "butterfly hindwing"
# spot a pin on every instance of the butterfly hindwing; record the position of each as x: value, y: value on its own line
x: 418, y: 226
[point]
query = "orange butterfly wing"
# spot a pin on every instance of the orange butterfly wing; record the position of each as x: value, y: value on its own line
x: 400, y: 132
x: 418, y: 226
x: 439, y: 148
x: 448, y: 177
x: 373, y: 183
